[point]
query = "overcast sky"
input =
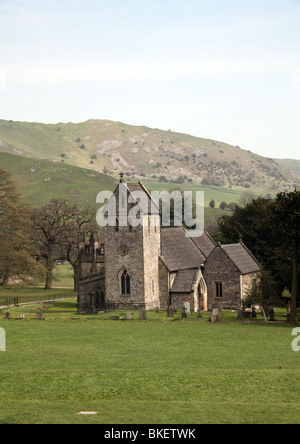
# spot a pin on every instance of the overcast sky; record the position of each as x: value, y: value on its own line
x: 227, y: 70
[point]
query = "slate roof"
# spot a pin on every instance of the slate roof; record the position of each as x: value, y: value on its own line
x: 178, y: 250
x: 205, y: 243
x: 184, y: 281
x: 242, y: 258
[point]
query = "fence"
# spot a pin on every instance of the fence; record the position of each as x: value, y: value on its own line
x: 16, y: 301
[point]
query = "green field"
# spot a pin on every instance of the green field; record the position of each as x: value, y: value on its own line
x: 163, y: 371
x: 39, y: 181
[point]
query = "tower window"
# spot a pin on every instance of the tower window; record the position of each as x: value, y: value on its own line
x: 125, y: 283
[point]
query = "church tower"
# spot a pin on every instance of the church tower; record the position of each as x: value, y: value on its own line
x: 132, y: 249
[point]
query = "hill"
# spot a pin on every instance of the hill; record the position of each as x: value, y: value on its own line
x: 293, y: 165
x: 141, y: 152
x: 39, y: 181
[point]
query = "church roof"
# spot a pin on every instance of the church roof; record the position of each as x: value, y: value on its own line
x: 184, y: 281
x: 178, y: 250
x: 242, y: 258
x: 205, y: 243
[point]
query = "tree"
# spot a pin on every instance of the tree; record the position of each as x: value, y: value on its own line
x: 17, y: 252
x: 286, y: 216
x: 263, y: 292
x: 270, y: 229
x: 223, y: 205
x: 212, y: 203
x: 58, y: 226
x: 81, y: 222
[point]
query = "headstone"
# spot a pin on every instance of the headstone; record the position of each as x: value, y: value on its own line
x: 128, y: 316
x: 272, y: 314
x: 6, y: 315
x: 143, y: 314
x: 215, y: 316
x: 240, y: 315
x: 170, y: 311
x: 40, y: 315
x: 22, y: 316
x: 199, y: 313
x: 187, y: 307
x: 184, y: 315
x: 254, y: 314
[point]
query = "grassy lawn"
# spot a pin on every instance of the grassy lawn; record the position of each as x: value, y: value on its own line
x: 163, y: 371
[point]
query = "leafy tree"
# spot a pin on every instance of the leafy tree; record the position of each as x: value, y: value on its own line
x: 286, y: 217
x: 270, y: 228
x: 17, y: 252
x: 223, y: 205
x: 212, y: 204
x: 263, y: 292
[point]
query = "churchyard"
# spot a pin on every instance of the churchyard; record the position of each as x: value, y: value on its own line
x: 163, y: 370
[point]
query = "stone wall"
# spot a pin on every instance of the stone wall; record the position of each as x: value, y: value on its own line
x: 219, y: 268
x: 85, y: 288
x: 151, y: 250
x: 246, y: 283
x: 164, y: 295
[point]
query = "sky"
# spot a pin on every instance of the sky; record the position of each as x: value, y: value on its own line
x: 227, y: 70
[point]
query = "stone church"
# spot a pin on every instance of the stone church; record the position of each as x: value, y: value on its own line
x: 148, y: 266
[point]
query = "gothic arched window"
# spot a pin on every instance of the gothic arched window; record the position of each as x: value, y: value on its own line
x: 125, y: 283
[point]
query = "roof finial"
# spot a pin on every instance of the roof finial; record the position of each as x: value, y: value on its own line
x: 121, y: 175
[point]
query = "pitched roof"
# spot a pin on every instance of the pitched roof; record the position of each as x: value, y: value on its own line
x: 205, y: 243
x: 242, y: 258
x: 178, y: 250
x: 184, y: 281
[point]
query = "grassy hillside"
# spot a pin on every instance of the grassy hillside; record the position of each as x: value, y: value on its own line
x: 293, y: 165
x: 39, y: 181
x: 142, y: 152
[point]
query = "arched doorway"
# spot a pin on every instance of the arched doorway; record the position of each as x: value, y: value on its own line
x: 98, y: 299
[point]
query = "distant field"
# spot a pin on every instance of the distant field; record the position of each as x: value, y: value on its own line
x: 63, y: 276
x: 159, y: 371
x: 39, y: 181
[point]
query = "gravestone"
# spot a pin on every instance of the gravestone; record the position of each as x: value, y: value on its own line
x: 215, y: 316
x: 170, y: 312
x: 22, y: 316
x: 7, y: 315
x: 128, y: 316
x: 40, y: 315
x: 184, y: 315
x: 254, y: 314
x: 199, y: 313
x: 240, y: 315
x: 187, y: 307
x: 143, y: 314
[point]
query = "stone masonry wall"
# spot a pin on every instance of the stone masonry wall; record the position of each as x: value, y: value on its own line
x: 219, y: 268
